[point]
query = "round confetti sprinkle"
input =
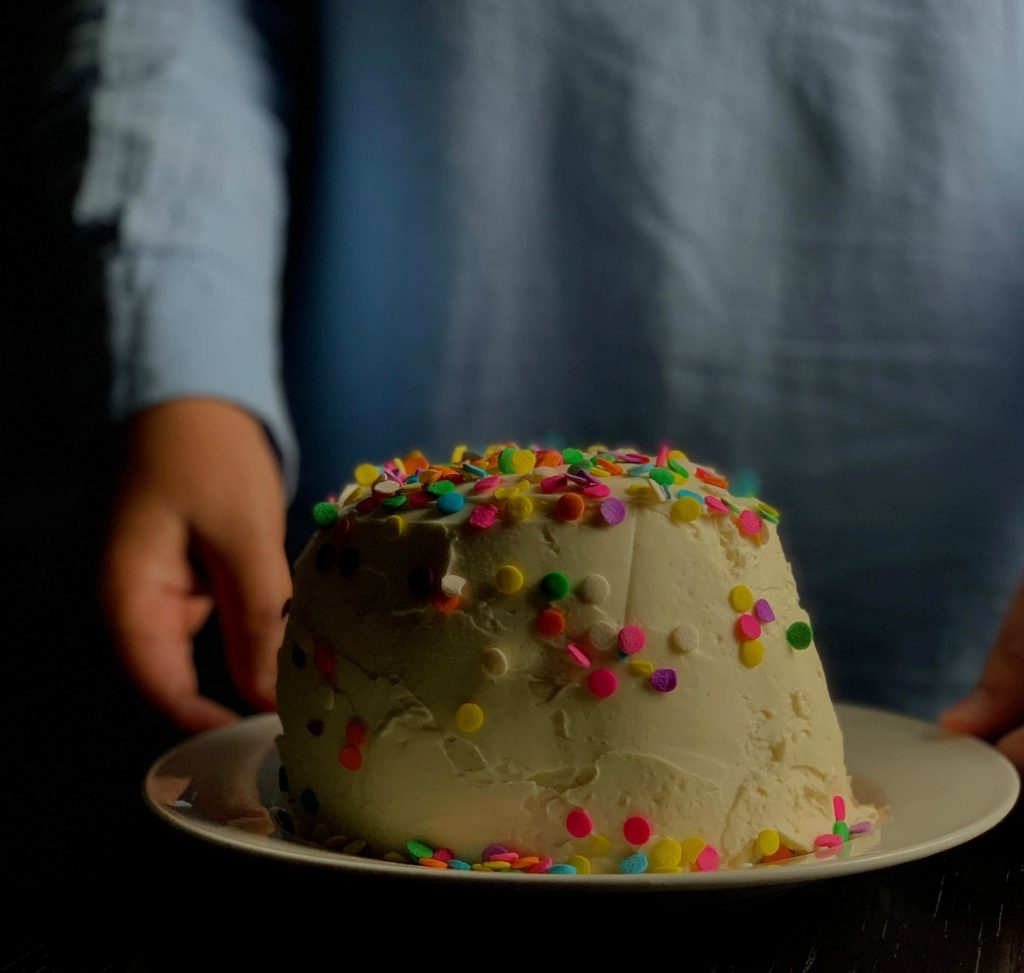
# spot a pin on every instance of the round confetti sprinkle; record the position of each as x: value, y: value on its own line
x: 487, y: 483
x: 685, y: 637
x: 519, y: 508
x: 450, y: 503
x: 685, y: 509
x: 748, y: 627
x: 418, y: 850
x: 523, y: 461
x: 799, y: 635
x: 842, y: 829
x: 632, y: 639
x: 692, y: 847
x: 526, y: 862
x: 440, y: 487
x: 483, y: 516
x: 492, y: 850
x: 752, y: 653
x: 594, y: 588
x: 459, y: 864
x: 579, y: 862
x: 505, y: 459
x: 637, y: 830
x: 664, y: 680
x: 641, y: 667
x: 554, y: 585
x: 862, y: 827
x: 453, y: 585
x: 323, y: 659
x: 394, y: 526
x: 350, y: 758
x: 386, y: 488
x: 763, y: 611
x: 707, y: 860
x: 494, y: 661
x: 469, y: 718
x: 325, y: 513
x: 715, y: 505
x: 603, y: 635
x: 550, y: 622
x: 508, y: 579
x: 578, y: 823
x: 613, y: 511
x: 827, y: 841
x: 572, y: 455
x: 562, y: 870
x: 554, y: 483
x: 602, y: 683
x: 767, y: 842
x: 398, y: 500
x: 667, y: 853
x: 570, y: 506
x: 839, y: 807
x: 355, y: 732
x: 578, y: 655
x: 309, y: 801
x: 741, y: 598
x: 432, y: 863
x: 634, y: 864
x: 443, y: 602
x: 505, y: 856
x: 366, y: 473
x: 749, y: 523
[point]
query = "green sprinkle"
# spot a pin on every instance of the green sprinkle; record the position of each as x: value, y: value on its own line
x: 799, y: 635
x: 676, y: 466
x: 730, y: 505
x: 842, y: 829
x: 440, y: 487
x: 419, y: 850
x: 554, y: 585
x: 325, y: 513
x: 571, y: 455
x: 398, y: 500
x: 765, y: 514
x: 505, y: 460
x: 660, y: 475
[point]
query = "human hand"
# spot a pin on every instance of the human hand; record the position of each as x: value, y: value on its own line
x: 995, y: 708
x: 200, y: 479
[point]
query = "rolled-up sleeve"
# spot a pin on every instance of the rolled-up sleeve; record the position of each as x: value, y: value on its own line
x: 184, y: 183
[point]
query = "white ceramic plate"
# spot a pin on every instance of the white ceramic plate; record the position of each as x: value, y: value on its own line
x: 941, y: 790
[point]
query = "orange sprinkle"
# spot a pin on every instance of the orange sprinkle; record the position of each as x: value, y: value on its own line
x: 607, y: 464
x: 444, y: 603
x: 550, y: 622
x: 713, y: 478
x: 783, y: 854
x: 570, y: 506
x: 415, y: 461
x: 433, y: 863
x: 527, y: 862
x: 549, y: 457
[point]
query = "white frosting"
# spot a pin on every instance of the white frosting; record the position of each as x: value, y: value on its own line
x: 729, y: 752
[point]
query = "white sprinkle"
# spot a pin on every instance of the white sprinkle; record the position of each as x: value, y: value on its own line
x: 685, y: 637
x: 603, y: 635
x: 494, y: 661
x: 594, y: 588
x: 452, y: 585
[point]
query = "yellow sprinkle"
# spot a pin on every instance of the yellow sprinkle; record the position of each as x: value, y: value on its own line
x: 498, y: 866
x: 598, y: 471
x: 395, y: 527
x: 399, y: 464
x: 366, y: 473
x: 519, y: 508
x: 752, y: 653
x: 481, y: 867
x: 599, y: 845
x: 598, y: 448
x: 394, y: 856
x: 741, y: 598
x: 667, y: 869
x: 768, y: 508
x: 469, y: 718
x: 458, y: 453
x: 667, y: 853
x: 580, y: 862
x: 678, y: 455
x: 767, y: 842
x: 641, y: 667
x: 508, y: 579
x: 523, y: 461
x: 635, y: 489
x: 692, y: 847
x: 686, y: 509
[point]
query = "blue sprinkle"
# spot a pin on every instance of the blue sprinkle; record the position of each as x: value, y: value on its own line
x: 562, y: 870
x: 414, y: 478
x: 690, y: 493
x: 634, y: 864
x: 640, y: 470
x: 475, y: 470
x: 459, y: 865
x: 451, y: 502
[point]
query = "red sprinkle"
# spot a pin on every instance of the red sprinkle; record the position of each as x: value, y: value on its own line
x: 323, y: 659
x: 355, y: 732
x: 578, y: 823
x: 602, y: 683
x: 485, y: 484
x: 748, y: 628
x: 637, y: 830
x: 554, y: 484
x: 350, y: 758
x: 483, y: 516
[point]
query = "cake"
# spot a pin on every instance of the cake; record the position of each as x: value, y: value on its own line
x: 556, y: 660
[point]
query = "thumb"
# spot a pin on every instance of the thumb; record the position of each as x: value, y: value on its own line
x: 997, y: 702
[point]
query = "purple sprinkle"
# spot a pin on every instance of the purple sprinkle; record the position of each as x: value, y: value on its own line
x: 861, y: 827
x: 763, y: 610
x: 633, y: 458
x: 578, y: 478
x: 493, y: 850
x: 664, y: 680
x: 613, y: 511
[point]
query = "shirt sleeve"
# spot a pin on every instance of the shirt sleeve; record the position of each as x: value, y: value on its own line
x: 184, y: 181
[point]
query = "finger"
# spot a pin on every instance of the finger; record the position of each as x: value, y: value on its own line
x: 1012, y: 745
x: 997, y: 703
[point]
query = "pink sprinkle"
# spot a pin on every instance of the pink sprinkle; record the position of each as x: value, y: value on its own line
x: 602, y: 683
x: 632, y: 639
x: 707, y: 860
x: 578, y: 823
x: 483, y: 516
x: 827, y: 841
x: 748, y: 627
x: 598, y: 490
x: 613, y: 511
x: 634, y: 458
x: 443, y: 855
x: 749, y: 523
x: 578, y: 655
x: 504, y: 856
x: 763, y: 610
x: 861, y: 827
x: 839, y: 807
x: 541, y: 867
x: 662, y: 459
x: 637, y: 830
x: 552, y: 484
x: 713, y: 503
x: 487, y: 483
x: 493, y: 850
x: 420, y: 498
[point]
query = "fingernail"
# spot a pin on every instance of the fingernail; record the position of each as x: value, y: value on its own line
x: 968, y: 709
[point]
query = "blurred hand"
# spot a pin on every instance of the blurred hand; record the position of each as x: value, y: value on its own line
x: 995, y: 709
x: 200, y: 480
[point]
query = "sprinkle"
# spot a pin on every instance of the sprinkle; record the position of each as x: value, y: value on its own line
x: 550, y: 622
x: 749, y: 523
x: 496, y: 865
x: 459, y: 865
x: 398, y: 500
x: 667, y: 870
x: 763, y: 611
x: 613, y: 511
x: 599, y: 845
x: 418, y: 850
x: 469, y: 718
x: 554, y: 585
x: 493, y: 850
x: 524, y: 863
x: 713, y: 503
x: 505, y: 856
x: 570, y: 506
x: 443, y: 855
x: 827, y: 841
x: 707, y: 860
x: 473, y: 470
x: 483, y: 516
x: 366, y: 473
x: 580, y: 863
x: 450, y: 503
x: 432, y: 863
x: 578, y: 823
x: 494, y: 662
x: 453, y: 585
x: 712, y: 478
x: 325, y: 513
x: 748, y: 627
x: 641, y: 667
x: 387, y: 488
x: 799, y: 635
x: 395, y: 527
x: 634, y: 864
x: 487, y: 483
x: 578, y: 655
x: 767, y: 842
x: 603, y: 635
x: 782, y: 855
x: 741, y: 598
x: 685, y: 509
x: 632, y: 639
x: 355, y: 732
x: 554, y: 484
x: 443, y: 602
x: 323, y: 659
x: 637, y: 830
x: 685, y: 637
x: 508, y: 579
x: 562, y: 870
x: 664, y: 680
x: 594, y: 588
x: 523, y: 461
x: 692, y: 847
x: 572, y: 456
x: 842, y: 829
x: 440, y: 487
x: 519, y: 508
x: 602, y: 683
x: 862, y: 827
x: 667, y: 853
x: 752, y: 653
x: 542, y: 866
x: 505, y: 460
x: 660, y: 475
x: 839, y: 807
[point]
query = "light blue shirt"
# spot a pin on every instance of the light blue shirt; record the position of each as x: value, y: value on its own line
x: 788, y: 237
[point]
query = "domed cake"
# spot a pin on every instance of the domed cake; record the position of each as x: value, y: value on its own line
x: 556, y: 660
